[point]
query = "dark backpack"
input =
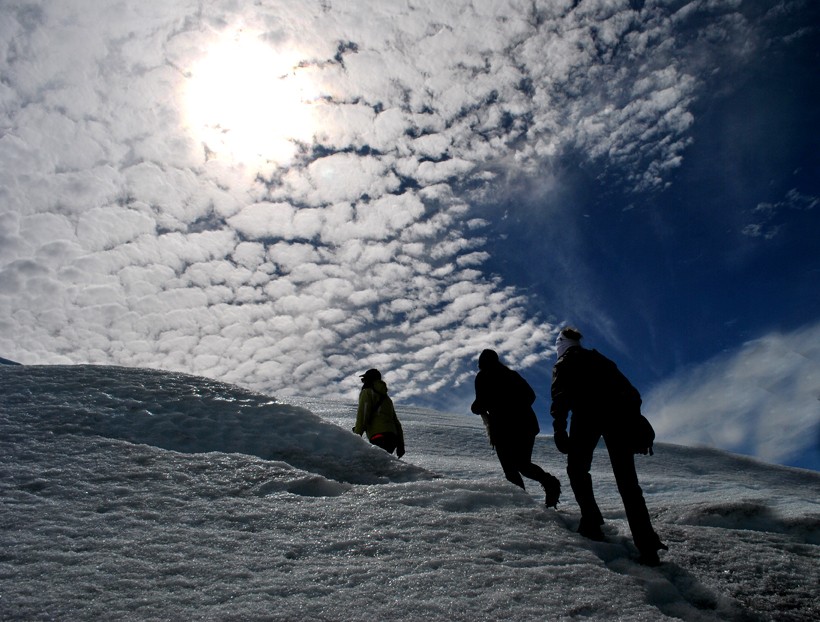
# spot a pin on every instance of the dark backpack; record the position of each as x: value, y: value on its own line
x: 615, y: 386
x: 636, y: 430
x: 641, y: 434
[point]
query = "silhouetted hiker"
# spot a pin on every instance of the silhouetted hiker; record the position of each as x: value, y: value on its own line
x: 602, y: 402
x: 376, y: 415
x: 504, y: 400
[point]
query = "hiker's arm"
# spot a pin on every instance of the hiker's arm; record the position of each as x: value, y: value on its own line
x: 363, y: 413
x: 559, y: 409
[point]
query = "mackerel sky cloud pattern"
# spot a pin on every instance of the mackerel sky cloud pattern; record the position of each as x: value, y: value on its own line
x: 126, y: 241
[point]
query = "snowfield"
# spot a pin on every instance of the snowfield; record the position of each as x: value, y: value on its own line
x: 132, y: 494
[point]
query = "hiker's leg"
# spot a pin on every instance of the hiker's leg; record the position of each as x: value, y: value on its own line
x: 507, y: 457
x: 637, y: 515
x: 386, y: 441
x: 579, y: 461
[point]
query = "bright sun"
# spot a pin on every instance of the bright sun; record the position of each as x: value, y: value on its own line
x: 247, y: 103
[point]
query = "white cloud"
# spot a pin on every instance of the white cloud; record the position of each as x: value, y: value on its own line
x: 106, y: 227
x: 769, y: 217
x: 128, y: 238
x: 763, y: 399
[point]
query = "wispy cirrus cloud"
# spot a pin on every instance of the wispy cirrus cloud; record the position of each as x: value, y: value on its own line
x: 762, y: 399
x: 130, y: 238
x: 768, y: 217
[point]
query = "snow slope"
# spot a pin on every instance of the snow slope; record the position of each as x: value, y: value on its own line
x: 132, y: 494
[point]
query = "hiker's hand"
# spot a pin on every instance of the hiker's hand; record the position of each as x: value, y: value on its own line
x: 561, y: 439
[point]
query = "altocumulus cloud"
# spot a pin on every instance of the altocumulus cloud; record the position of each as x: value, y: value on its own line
x: 132, y: 234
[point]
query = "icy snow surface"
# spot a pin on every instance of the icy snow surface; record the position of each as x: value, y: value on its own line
x: 132, y: 494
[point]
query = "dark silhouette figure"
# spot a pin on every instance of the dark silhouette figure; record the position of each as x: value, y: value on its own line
x: 377, y: 416
x: 603, y: 403
x: 504, y: 400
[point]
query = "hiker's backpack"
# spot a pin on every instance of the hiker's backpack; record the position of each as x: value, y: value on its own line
x: 641, y: 434
x: 635, y: 429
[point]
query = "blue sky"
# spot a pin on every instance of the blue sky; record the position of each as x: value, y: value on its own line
x: 666, y: 279
x: 283, y: 195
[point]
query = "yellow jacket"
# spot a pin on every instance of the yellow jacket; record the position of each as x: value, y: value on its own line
x: 376, y: 414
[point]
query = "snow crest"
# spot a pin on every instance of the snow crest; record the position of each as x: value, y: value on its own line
x: 191, y: 414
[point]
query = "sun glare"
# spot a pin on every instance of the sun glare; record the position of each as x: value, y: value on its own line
x: 248, y: 103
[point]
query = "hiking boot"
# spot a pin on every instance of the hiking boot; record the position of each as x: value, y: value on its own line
x: 649, y: 556
x: 591, y: 530
x: 552, y: 490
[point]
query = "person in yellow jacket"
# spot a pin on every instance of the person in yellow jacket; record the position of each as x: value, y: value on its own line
x: 376, y: 415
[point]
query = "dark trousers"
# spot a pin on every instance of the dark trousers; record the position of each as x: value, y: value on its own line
x: 387, y: 441
x: 515, y: 456
x: 583, y: 440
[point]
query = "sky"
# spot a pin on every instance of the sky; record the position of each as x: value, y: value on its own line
x: 133, y: 494
x: 286, y: 194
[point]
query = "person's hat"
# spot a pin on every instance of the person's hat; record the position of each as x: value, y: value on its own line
x: 570, y: 332
x: 371, y: 374
x: 488, y: 358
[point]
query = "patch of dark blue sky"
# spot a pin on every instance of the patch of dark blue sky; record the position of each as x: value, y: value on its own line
x: 663, y: 280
